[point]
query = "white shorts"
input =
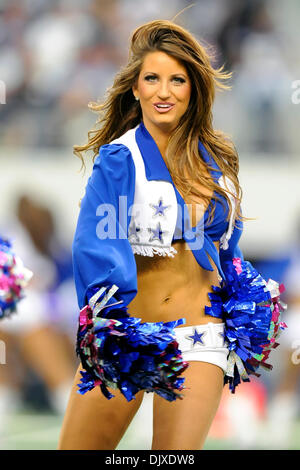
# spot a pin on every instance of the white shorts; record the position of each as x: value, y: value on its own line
x: 203, y: 343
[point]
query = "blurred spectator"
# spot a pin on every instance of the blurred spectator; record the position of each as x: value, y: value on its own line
x: 244, y: 18
x: 57, y: 56
x: 251, y: 47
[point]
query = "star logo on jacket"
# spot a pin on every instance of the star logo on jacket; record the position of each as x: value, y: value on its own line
x: 159, y: 208
x: 133, y: 231
x: 196, y: 337
x: 156, y: 233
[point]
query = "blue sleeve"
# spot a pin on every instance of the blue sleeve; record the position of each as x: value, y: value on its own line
x: 101, y: 252
x: 233, y: 250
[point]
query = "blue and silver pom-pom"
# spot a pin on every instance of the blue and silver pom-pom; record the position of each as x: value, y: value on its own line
x: 14, y: 277
x: 118, y: 351
x: 251, y: 309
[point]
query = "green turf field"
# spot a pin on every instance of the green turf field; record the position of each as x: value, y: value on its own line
x: 28, y: 431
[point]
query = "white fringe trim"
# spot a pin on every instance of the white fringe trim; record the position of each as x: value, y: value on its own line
x: 149, y: 250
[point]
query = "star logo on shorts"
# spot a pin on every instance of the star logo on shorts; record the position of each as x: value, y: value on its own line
x: 196, y: 337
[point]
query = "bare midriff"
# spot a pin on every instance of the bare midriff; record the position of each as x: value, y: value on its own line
x: 172, y: 288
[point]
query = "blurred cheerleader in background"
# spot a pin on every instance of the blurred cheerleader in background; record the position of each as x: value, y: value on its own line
x: 43, y: 321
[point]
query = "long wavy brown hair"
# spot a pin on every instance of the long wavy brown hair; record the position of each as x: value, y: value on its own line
x: 120, y: 112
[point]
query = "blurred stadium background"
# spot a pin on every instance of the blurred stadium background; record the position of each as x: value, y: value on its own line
x: 57, y: 56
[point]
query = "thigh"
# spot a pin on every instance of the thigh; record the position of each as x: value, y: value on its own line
x: 92, y: 422
x: 184, y: 424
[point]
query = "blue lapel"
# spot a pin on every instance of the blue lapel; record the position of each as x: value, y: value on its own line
x: 155, y: 166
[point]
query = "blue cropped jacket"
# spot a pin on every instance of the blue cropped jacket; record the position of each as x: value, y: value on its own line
x: 131, y: 206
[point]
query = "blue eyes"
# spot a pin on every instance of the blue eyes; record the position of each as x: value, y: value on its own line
x: 152, y: 78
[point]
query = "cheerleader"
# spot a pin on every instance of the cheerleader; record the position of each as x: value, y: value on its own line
x: 167, y: 302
